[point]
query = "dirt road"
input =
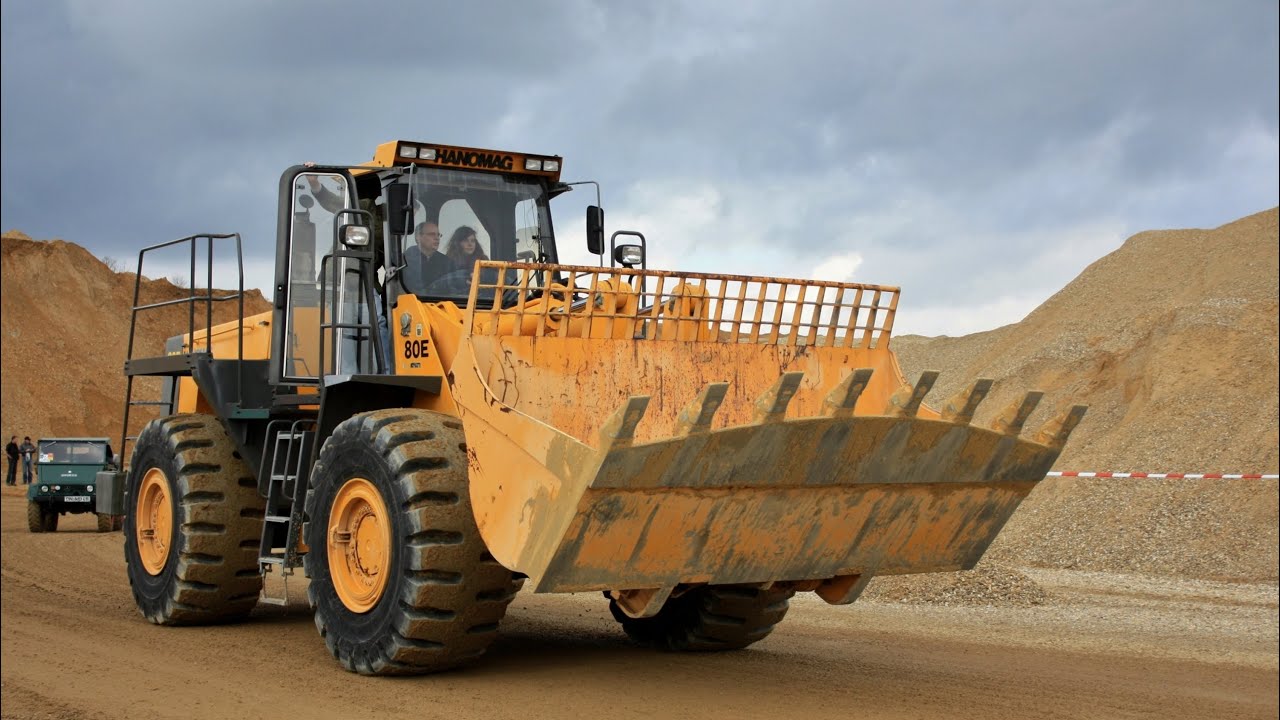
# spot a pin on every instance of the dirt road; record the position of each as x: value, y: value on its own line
x: 1108, y: 646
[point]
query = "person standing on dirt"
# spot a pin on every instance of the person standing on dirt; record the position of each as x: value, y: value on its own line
x: 11, y: 451
x: 28, y: 454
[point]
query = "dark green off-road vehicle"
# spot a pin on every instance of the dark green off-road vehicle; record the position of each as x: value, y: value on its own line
x: 66, y: 478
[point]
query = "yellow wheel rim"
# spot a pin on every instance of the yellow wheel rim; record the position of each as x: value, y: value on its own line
x: 154, y: 527
x: 359, y: 545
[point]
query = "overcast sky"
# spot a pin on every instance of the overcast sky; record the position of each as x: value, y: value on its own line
x: 979, y: 154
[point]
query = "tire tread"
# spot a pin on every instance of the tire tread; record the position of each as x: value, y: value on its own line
x: 216, y: 578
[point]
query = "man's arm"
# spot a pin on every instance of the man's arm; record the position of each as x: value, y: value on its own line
x: 328, y: 199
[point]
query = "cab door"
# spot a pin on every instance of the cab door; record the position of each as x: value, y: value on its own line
x: 313, y: 288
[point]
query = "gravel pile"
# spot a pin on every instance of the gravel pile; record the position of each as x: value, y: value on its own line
x: 1172, y: 342
x: 989, y: 584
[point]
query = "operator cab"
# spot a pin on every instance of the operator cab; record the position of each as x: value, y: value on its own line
x: 353, y: 240
x: 460, y: 217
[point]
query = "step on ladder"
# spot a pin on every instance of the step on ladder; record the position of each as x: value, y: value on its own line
x: 290, y: 467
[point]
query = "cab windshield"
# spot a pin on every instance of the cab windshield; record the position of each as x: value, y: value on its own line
x: 74, y: 452
x: 462, y: 217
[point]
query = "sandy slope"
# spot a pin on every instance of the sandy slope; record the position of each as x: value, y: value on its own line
x: 65, y: 331
x: 1172, y: 342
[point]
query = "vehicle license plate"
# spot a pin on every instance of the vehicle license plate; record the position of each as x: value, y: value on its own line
x: 77, y: 498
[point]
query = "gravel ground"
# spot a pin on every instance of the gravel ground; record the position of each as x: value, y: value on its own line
x: 1138, y: 615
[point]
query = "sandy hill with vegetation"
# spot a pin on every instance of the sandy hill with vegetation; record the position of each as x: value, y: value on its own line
x: 64, y: 324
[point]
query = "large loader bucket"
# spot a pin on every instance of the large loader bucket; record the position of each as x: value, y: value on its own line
x: 640, y: 431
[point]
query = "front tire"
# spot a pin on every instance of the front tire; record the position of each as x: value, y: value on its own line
x: 401, y: 581
x: 192, y: 525
x: 709, y: 618
x: 35, y: 516
x: 50, y: 519
x: 105, y: 522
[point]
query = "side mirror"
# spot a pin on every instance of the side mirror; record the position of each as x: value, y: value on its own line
x: 399, y: 214
x: 595, y: 229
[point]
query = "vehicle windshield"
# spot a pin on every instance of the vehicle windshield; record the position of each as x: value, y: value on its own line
x: 76, y: 452
x: 462, y: 217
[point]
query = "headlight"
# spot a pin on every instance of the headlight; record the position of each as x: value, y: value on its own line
x: 44, y: 488
x: 90, y: 488
x: 551, y: 165
x: 629, y: 255
x: 532, y: 164
x: 57, y: 487
x: 355, y: 236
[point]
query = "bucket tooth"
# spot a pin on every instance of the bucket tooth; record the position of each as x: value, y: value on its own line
x: 960, y: 408
x: 843, y: 397
x: 906, y: 401
x: 1054, y: 433
x: 1010, y: 421
x: 642, y: 603
x: 697, y: 415
x: 772, y: 406
x: 619, y: 430
x: 843, y: 589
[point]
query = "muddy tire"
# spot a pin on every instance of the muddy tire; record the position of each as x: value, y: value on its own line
x: 197, y: 563
x: 35, y: 516
x: 709, y: 618
x: 50, y: 519
x: 117, y: 523
x: 105, y: 522
x: 436, y: 594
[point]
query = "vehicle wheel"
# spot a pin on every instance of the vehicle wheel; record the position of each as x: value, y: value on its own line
x: 105, y: 522
x: 192, y: 525
x: 50, y: 519
x: 117, y: 523
x: 710, y: 617
x: 35, y: 516
x: 401, y: 581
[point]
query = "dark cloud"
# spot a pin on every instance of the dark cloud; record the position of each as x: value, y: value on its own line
x: 952, y: 146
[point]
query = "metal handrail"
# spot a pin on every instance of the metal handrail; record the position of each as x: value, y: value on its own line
x: 208, y: 298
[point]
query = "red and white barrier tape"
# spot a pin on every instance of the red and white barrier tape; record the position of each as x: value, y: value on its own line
x: 1170, y: 476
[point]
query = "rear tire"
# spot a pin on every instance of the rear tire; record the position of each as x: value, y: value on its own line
x: 35, y: 516
x: 440, y: 595
x: 206, y: 570
x: 709, y: 618
x: 105, y: 523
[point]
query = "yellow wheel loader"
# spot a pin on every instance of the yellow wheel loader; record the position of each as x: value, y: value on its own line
x: 436, y: 412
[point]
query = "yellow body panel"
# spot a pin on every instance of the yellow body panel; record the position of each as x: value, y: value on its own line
x: 225, y: 339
